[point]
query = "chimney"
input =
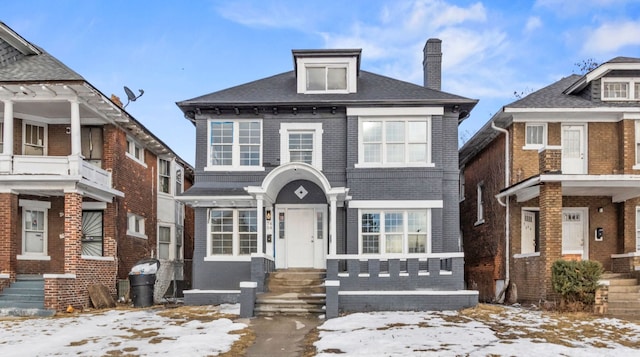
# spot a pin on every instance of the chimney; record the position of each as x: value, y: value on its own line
x: 432, y: 63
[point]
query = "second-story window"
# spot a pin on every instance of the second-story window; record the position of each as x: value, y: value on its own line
x: 135, y: 150
x: 637, y: 144
x: 535, y: 135
x: 34, y: 139
x: 235, y: 145
x: 164, y: 175
x: 394, y: 142
x: 480, y: 203
x: 135, y: 226
x: 1, y: 137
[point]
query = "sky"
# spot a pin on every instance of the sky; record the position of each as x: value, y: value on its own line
x: 487, y: 330
x: 178, y: 50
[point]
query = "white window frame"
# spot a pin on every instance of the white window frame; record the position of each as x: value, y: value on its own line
x: 235, y: 157
x: 1, y: 137
x: 169, y: 244
x: 168, y: 176
x: 45, y: 139
x: 637, y: 145
x: 42, y: 206
x: 479, y: 203
x: 132, y: 219
x: 132, y: 145
x: 403, y: 118
x: 349, y: 63
x: 235, y: 255
x: 405, y: 230
x: 638, y: 229
x: 530, y: 146
x: 179, y: 180
x: 629, y: 82
x: 314, y: 128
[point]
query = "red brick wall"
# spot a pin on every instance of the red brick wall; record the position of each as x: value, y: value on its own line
x: 8, y: 233
x: 58, y: 140
x: 604, y: 157
x: 139, y: 185
x: 484, y: 243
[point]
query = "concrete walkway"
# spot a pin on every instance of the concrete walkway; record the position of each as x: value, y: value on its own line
x: 280, y: 336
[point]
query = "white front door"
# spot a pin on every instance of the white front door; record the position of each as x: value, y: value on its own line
x: 528, y: 232
x: 573, y: 149
x: 300, y: 237
x: 34, y: 232
x: 574, y: 232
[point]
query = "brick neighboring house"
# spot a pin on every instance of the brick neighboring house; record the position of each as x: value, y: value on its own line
x: 330, y: 167
x: 554, y: 175
x: 86, y: 190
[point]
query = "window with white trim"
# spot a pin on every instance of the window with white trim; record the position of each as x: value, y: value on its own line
x: 326, y: 78
x: 179, y: 178
x: 34, y: 139
x: 637, y: 144
x: 135, y: 225
x: 480, y: 203
x: 235, y: 145
x: 232, y: 232
x: 621, y: 89
x: 394, y: 141
x: 394, y: 231
x: 637, y: 228
x: 164, y: 176
x: 1, y: 137
x: 34, y: 227
x: 135, y: 150
x: 535, y: 135
x: 301, y: 142
x: 164, y: 243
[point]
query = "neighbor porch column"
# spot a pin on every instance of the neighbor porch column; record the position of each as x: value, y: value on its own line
x: 550, y: 233
x: 72, y: 231
x: 8, y: 234
x: 332, y: 226
x: 260, y: 223
x: 76, y: 148
x: 7, y: 138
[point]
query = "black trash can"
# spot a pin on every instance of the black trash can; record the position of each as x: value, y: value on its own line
x: 142, y: 280
x: 142, y: 286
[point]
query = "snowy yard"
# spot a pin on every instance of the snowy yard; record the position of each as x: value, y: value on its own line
x: 209, y: 331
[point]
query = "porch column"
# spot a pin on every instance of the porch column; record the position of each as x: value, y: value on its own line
x: 8, y: 233
x: 76, y: 148
x: 332, y: 226
x: 550, y: 233
x: 7, y: 138
x: 260, y: 225
x: 72, y: 231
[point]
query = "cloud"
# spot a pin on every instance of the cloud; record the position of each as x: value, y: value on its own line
x: 568, y: 8
x: 533, y: 23
x: 611, y: 37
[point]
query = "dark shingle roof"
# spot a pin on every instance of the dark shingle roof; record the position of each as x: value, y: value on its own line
x: 552, y: 96
x: 42, y: 67
x: 281, y: 88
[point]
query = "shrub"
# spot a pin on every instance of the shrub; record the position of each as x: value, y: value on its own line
x: 576, y: 282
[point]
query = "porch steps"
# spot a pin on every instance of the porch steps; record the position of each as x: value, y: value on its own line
x: 624, y: 296
x: 293, y: 292
x: 24, y: 297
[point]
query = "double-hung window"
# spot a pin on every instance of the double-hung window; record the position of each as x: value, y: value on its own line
x: 535, y: 136
x: 235, y: 145
x: 135, y: 151
x: 301, y: 142
x: 232, y: 232
x: 637, y: 144
x: 394, y: 231
x: 34, y: 139
x: 164, y: 175
x: 34, y: 228
x: 135, y: 226
x: 1, y: 137
x: 395, y: 142
x: 164, y: 243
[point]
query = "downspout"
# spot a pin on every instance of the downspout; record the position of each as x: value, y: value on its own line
x: 507, y: 177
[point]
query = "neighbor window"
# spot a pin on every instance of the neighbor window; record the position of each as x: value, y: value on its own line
x: 637, y: 144
x: 480, y: 203
x: 164, y: 175
x: 535, y: 136
x: 34, y: 139
x: 235, y: 144
x: 179, y: 174
x: 395, y: 142
x: 135, y: 150
x: 164, y: 242
x: 135, y: 225
x: 394, y: 231
x: 327, y: 78
x: 92, y: 232
x: 621, y: 89
x: 1, y: 137
x: 232, y: 232
x: 638, y: 229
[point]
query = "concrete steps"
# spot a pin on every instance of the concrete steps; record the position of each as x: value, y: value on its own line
x: 624, y: 296
x: 293, y: 292
x: 24, y: 297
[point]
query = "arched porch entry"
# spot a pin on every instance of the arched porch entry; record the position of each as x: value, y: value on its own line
x: 297, y: 210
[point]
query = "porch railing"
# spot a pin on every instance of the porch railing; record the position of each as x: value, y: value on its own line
x: 443, y: 271
x: 60, y: 165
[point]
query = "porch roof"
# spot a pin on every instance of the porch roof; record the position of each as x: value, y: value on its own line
x: 619, y: 187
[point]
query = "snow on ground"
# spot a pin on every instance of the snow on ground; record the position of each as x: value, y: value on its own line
x: 483, y: 331
x: 144, y: 332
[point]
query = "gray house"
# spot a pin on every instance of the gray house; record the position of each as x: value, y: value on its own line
x: 334, y: 171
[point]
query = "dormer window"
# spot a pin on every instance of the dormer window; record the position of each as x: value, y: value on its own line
x: 621, y: 89
x: 326, y: 71
x: 326, y: 78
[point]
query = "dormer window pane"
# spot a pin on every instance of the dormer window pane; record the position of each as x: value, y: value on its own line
x: 637, y: 90
x: 616, y: 90
x: 316, y: 78
x: 336, y: 78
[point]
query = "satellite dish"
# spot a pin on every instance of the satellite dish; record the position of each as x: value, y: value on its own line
x: 130, y: 96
